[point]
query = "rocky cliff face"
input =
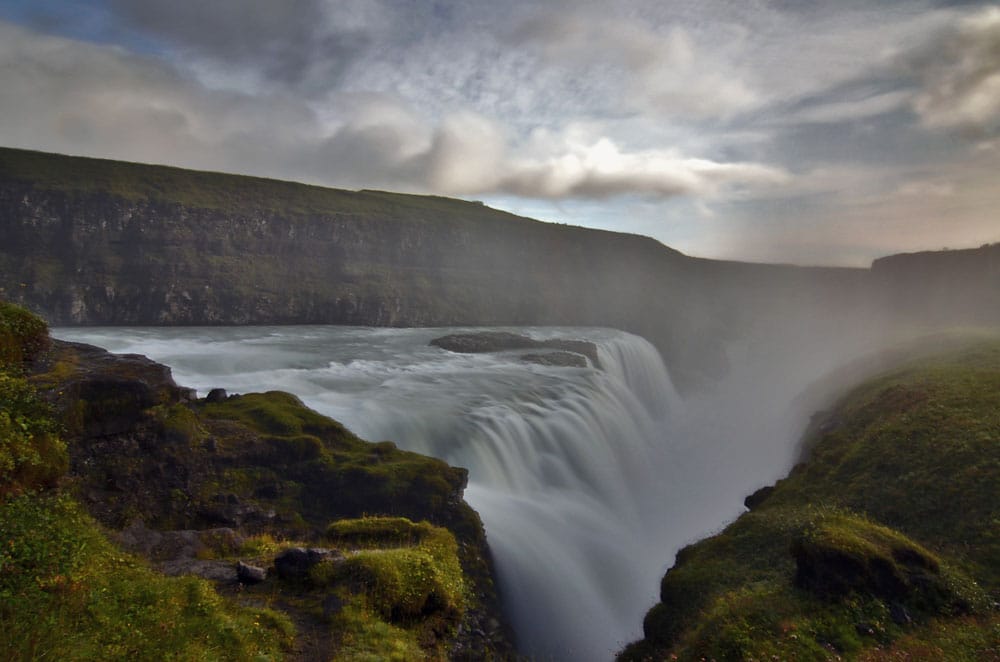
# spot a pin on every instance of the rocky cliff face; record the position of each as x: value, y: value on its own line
x: 943, y: 285
x: 86, y: 241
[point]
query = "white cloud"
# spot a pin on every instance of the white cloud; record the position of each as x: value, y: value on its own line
x: 602, y: 169
x: 926, y: 189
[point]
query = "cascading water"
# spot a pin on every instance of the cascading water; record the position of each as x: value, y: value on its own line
x: 587, y: 480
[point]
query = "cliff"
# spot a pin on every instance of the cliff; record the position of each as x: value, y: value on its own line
x: 881, y: 545
x: 88, y: 241
x: 943, y: 286
x: 313, y: 544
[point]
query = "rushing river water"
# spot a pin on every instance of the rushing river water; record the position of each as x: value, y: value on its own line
x: 588, y: 480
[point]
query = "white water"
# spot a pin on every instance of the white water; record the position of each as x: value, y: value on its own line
x: 587, y: 480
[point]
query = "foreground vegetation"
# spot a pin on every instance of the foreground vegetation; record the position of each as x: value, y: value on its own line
x: 65, y: 590
x: 884, y: 544
x: 84, y: 441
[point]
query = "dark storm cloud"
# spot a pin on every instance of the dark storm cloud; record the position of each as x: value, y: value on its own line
x: 292, y: 42
x: 959, y: 75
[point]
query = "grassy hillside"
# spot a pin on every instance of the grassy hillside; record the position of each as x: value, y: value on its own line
x: 65, y: 590
x: 101, y: 454
x: 884, y: 544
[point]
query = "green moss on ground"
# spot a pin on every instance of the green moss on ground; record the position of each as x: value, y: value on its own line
x: 264, y: 465
x: 402, y: 584
x: 65, y: 590
x: 68, y: 593
x: 404, y: 574
x: 884, y: 543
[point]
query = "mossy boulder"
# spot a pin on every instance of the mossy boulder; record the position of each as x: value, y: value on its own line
x: 846, y: 554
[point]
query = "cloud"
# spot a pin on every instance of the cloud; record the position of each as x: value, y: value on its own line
x: 292, y: 43
x: 65, y: 95
x: 959, y: 73
x: 832, y: 109
x: 69, y: 96
x: 662, y: 72
x: 468, y: 154
x: 601, y: 169
x: 926, y: 189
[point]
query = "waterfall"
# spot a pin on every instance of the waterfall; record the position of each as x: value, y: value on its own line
x: 587, y: 480
x: 559, y: 495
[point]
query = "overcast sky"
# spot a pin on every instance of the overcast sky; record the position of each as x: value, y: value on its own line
x: 783, y: 130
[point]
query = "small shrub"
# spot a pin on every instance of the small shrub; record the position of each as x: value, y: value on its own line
x: 32, y: 455
x: 22, y: 335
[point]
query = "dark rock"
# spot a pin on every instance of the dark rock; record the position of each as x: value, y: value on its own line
x: 109, y: 392
x: 250, y: 574
x: 216, y: 571
x: 486, y: 341
x: 176, y: 545
x: 558, y: 359
x: 758, y: 497
x: 294, y: 563
x: 501, y: 341
x: 216, y: 395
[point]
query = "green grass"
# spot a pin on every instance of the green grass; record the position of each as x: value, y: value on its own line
x: 403, y: 586
x: 364, y: 637
x: 282, y: 416
x: 884, y: 542
x: 66, y: 592
x: 412, y: 570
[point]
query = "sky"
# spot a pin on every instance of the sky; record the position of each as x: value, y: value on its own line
x: 784, y: 131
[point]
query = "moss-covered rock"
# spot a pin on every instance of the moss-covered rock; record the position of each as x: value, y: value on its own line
x: 144, y: 454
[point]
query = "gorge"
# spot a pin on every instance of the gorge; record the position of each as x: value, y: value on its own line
x: 589, y: 478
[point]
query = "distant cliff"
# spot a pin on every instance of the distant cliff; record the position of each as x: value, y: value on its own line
x: 944, y: 285
x: 88, y: 241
